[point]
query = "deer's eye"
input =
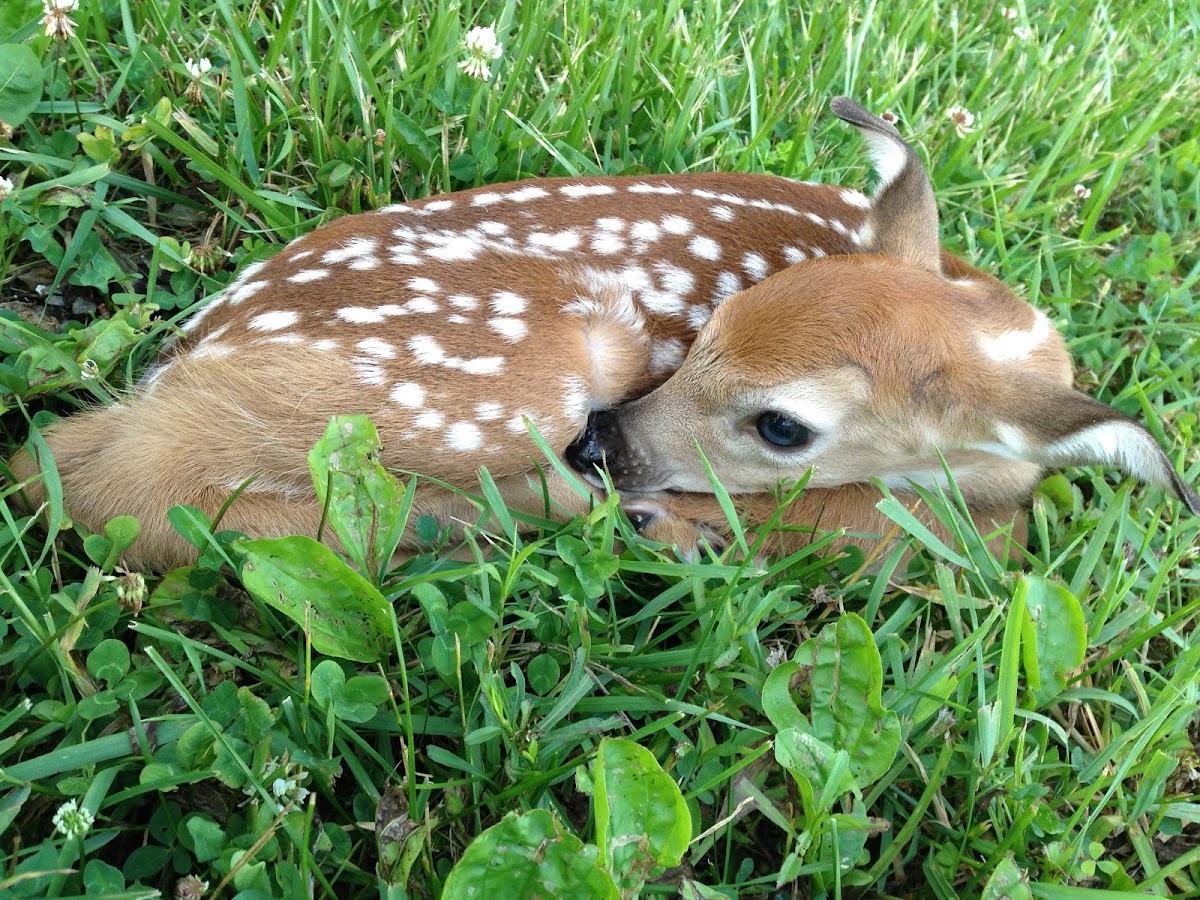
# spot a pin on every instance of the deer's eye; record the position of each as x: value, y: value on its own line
x: 781, y: 431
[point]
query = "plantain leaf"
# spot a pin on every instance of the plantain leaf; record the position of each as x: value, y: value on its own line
x: 343, y: 614
x: 642, y: 820
x: 845, y: 684
x: 1054, y: 636
x: 529, y: 855
x: 366, y: 502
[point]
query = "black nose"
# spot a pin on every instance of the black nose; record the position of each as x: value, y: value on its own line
x: 596, y: 444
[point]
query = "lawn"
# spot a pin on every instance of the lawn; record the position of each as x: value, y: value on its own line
x: 937, y: 724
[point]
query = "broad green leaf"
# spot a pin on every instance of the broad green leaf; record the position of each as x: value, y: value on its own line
x: 207, y: 837
x: 543, y: 673
x: 20, y: 83
x: 343, y: 614
x: 1054, y: 636
x: 1006, y: 883
x: 365, y: 501
x: 845, y: 681
x: 777, y: 699
x: 108, y: 661
x: 822, y: 772
x: 531, y: 856
x: 642, y: 820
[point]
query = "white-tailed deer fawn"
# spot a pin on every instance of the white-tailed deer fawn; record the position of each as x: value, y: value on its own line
x: 781, y: 325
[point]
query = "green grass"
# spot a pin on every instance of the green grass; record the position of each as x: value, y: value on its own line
x: 169, y: 712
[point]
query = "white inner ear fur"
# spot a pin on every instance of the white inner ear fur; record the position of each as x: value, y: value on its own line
x: 888, y: 156
x: 1115, y: 443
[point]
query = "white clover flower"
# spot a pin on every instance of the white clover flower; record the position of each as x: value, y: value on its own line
x: 190, y: 887
x: 1008, y: 12
x: 963, y: 119
x: 198, y: 69
x: 482, y: 47
x: 776, y: 656
x: 1082, y: 191
x: 56, y: 17
x: 1023, y: 32
x: 73, y: 820
x: 287, y: 782
x: 6, y: 187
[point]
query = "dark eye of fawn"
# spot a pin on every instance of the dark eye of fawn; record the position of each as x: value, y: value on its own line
x: 781, y: 431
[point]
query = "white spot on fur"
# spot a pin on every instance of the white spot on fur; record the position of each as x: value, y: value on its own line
x: 325, y: 344
x: 303, y: 254
x: 527, y: 193
x: 486, y: 198
x: 245, y: 291
x: 275, y: 320
x: 607, y: 244
x: 705, y: 248
x: 610, y: 224
x: 493, y: 228
x: 855, y: 199
x: 755, y: 266
x: 575, y: 191
x: 377, y: 348
x: 282, y: 339
x: 458, y: 320
x: 506, y: 303
x: 722, y: 213
x: 307, y: 275
x: 360, y: 315
x: 463, y: 301
x: 676, y: 224
x: 355, y: 248
x: 438, y: 205
x: 675, y: 280
x: 648, y: 232
x: 409, y: 394
x: 488, y: 411
x: 455, y: 248
x: 482, y: 365
x: 1013, y: 346
x: 426, y: 350
x: 464, y: 436
x: 419, y: 305
x: 365, y: 263
x: 697, y: 315
x: 512, y: 330
x: 560, y: 241
x: 430, y: 418
x: 793, y: 255
x: 644, y: 188
x: 423, y: 285
x: 728, y: 284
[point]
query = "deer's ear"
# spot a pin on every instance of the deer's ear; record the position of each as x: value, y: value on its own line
x: 1055, y: 426
x: 903, y: 220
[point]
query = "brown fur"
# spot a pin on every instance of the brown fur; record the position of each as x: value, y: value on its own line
x: 452, y: 320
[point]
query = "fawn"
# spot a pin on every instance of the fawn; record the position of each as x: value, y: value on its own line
x: 779, y: 325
